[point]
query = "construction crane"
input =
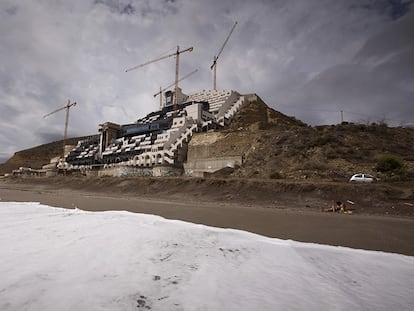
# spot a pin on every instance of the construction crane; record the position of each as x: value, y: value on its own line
x: 177, y: 55
x: 67, y: 107
x: 214, y: 66
x: 167, y: 87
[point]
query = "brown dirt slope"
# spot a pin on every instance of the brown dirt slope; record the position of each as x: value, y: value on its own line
x: 276, y: 146
x: 328, y: 152
x: 286, y: 164
x: 280, y: 147
x: 256, y: 115
x: 379, y: 198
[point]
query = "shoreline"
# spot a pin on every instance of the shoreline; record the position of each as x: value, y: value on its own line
x: 369, y: 232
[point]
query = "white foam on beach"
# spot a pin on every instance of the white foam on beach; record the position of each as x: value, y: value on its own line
x: 60, y: 259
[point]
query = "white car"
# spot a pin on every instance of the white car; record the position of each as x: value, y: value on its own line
x: 362, y: 178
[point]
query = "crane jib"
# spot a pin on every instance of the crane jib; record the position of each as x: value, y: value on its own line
x: 160, y: 58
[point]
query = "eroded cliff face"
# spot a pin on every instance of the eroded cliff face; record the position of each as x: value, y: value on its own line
x: 38, y: 156
x: 256, y: 115
x: 272, y: 145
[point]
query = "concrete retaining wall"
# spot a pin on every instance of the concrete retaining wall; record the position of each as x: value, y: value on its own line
x: 124, y: 171
x: 197, y: 167
x: 165, y: 170
x: 120, y: 171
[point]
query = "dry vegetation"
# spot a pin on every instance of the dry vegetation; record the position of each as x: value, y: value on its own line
x: 275, y: 146
x: 330, y: 152
x: 279, y: 147
x: 286, y: 163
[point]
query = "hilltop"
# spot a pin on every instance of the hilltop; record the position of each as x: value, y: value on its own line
x: 37, y: 156
x: 286, y: 163
x: 276, y: 146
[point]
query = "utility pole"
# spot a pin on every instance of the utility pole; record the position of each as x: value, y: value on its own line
x: 176, y: 80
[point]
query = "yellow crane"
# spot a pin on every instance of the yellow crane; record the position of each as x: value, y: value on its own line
x: 167, y: 87
x: 214, y: 66
x: 67, y: 107
x: 176, y: 54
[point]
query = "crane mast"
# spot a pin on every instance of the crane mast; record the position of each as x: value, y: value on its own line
x: 67, y: 107
x: 214, y: 65
x: 173, y: 84
x: 177, y: 62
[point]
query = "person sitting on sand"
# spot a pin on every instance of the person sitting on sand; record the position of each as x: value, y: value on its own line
x: 336, y: 207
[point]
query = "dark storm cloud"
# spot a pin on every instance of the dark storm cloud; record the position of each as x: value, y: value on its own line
x: 143, y: 8
x: 396, y: 38
x: 4, y: 157
x: 12, y: 10
x: 359, y: 91
x: 49, y: 137
x: 400, y: 7
x: 378, y: 83
x: 117, y: 6
x: 309, y: 59
x: 10, y: 111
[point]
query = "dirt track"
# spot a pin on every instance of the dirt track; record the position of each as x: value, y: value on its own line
x: 275, y: 215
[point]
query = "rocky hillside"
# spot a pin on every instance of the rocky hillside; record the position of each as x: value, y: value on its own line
x: 36, y: 157
x: 332, y: 152
x: 275, y: 146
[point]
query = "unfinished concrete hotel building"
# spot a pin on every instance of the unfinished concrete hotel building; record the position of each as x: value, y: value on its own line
x: 156, y: 145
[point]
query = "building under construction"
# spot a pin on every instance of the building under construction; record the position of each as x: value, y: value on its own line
x: 155, y: 145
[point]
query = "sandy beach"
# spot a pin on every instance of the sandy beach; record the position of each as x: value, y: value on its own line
x: 371, y: 232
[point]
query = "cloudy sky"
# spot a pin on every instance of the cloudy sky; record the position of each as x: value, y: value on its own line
x: 306, y: 58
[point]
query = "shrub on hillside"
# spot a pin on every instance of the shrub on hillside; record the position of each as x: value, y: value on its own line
x: 323, y: 140
x: 275, y: 175
x: 315, y: 165
x: 390, y: 165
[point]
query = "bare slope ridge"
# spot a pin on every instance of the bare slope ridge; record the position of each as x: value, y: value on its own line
x: 280, y: 147
x: 277, y: 146
x: 286, y: 164
x: 255, y: 114
x: 38, y: 156
x: 324, y: 152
